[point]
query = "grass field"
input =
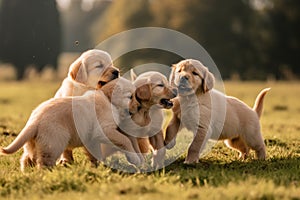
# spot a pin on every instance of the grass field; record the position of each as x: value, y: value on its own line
x: 219, y: 175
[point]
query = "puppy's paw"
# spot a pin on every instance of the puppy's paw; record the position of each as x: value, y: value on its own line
x: 64, y: 162
x: 243, y: 156
x: 190, y: 161
x: 133, y: 158
x: 142, y: 158
x: 158, y: 158
x: 157, y: 164
x: 171, y: 144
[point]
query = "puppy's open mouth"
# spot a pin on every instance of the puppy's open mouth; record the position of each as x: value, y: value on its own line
x: 102, y: 83
x: 166, y: 103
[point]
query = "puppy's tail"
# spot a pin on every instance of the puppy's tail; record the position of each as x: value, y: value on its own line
x: 26, y: 134
x: 259, y: 102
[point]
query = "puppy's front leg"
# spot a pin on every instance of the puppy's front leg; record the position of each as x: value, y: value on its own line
x: 123, y: 142
x: 171, y: 132
x: 196, y: 146
x: 94, y: 161
x: 136, y: 147
x: 157, y: 142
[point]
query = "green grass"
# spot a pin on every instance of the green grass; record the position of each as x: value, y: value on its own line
x: 218, y: 175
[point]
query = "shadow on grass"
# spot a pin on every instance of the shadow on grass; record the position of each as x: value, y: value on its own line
x: 282, y: 171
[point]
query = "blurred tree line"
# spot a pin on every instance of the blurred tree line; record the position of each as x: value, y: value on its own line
x: 253, y: 39
x: 30, y: 34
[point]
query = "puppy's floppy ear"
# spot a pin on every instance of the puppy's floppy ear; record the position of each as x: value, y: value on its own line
x: 132, y: 75
x: 144, y: 92
x: 172, y: 74
x: 78, y: 71
x: 208, y: 81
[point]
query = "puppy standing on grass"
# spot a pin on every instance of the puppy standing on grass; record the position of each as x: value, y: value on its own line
x: 153, y: 93
x: 67, y: 122
x: 241, y: 127
x: 91, y: 71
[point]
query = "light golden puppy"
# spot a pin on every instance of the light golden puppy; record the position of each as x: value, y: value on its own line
x: 92, y: 70
x: 153, y: 92
x: 88, y: 120
x: 199, y: 109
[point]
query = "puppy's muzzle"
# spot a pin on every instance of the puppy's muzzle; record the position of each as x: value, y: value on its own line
x: 184, y: 80
x: 114, y: 75
x: 184, y: 84
x: 167, y: 103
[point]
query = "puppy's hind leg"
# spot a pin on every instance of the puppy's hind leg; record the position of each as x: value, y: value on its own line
x: 29, y: 156
x: 239, y: 145
x: 94, y: 161
x: 255, y: 141
x: 66, y: 157
x: 47, y: 157
x: 48, y: 152
x: 253, y: 138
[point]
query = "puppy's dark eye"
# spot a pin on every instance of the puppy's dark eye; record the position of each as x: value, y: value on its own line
x: 99, y: 66
x: 161, y: 85
x: 195, y: 73
x: 130, y: 97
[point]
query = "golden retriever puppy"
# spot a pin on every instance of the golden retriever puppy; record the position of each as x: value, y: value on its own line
x: 153, y: 92
x: 71, y: 122
x: 92, y: 70
x: 199, y: 108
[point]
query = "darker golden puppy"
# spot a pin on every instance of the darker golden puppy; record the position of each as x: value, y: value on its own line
x: 154, y: 93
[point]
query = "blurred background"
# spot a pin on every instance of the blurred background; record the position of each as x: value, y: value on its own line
x: 247, y: 39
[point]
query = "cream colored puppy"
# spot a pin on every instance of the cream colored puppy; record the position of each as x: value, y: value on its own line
x: 203, y: 111
x: 67, y: 123
x: 153, y: 92
x: 92, y: 70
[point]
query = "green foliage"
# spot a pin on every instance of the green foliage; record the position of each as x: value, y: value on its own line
x: 29, y: 34
x: 218, y: 175
x: 254, y: 42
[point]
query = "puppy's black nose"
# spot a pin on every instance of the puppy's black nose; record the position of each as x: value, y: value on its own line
x: 115, y: 74
x: 184, y: 80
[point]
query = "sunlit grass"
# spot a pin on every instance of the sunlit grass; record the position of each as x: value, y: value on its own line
x: 219, y: 174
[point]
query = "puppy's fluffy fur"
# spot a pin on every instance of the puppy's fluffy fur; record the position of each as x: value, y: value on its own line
x: 204, y: 111
x: 88, y: 120
x: 90, y: 71
x: 153, y: 93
